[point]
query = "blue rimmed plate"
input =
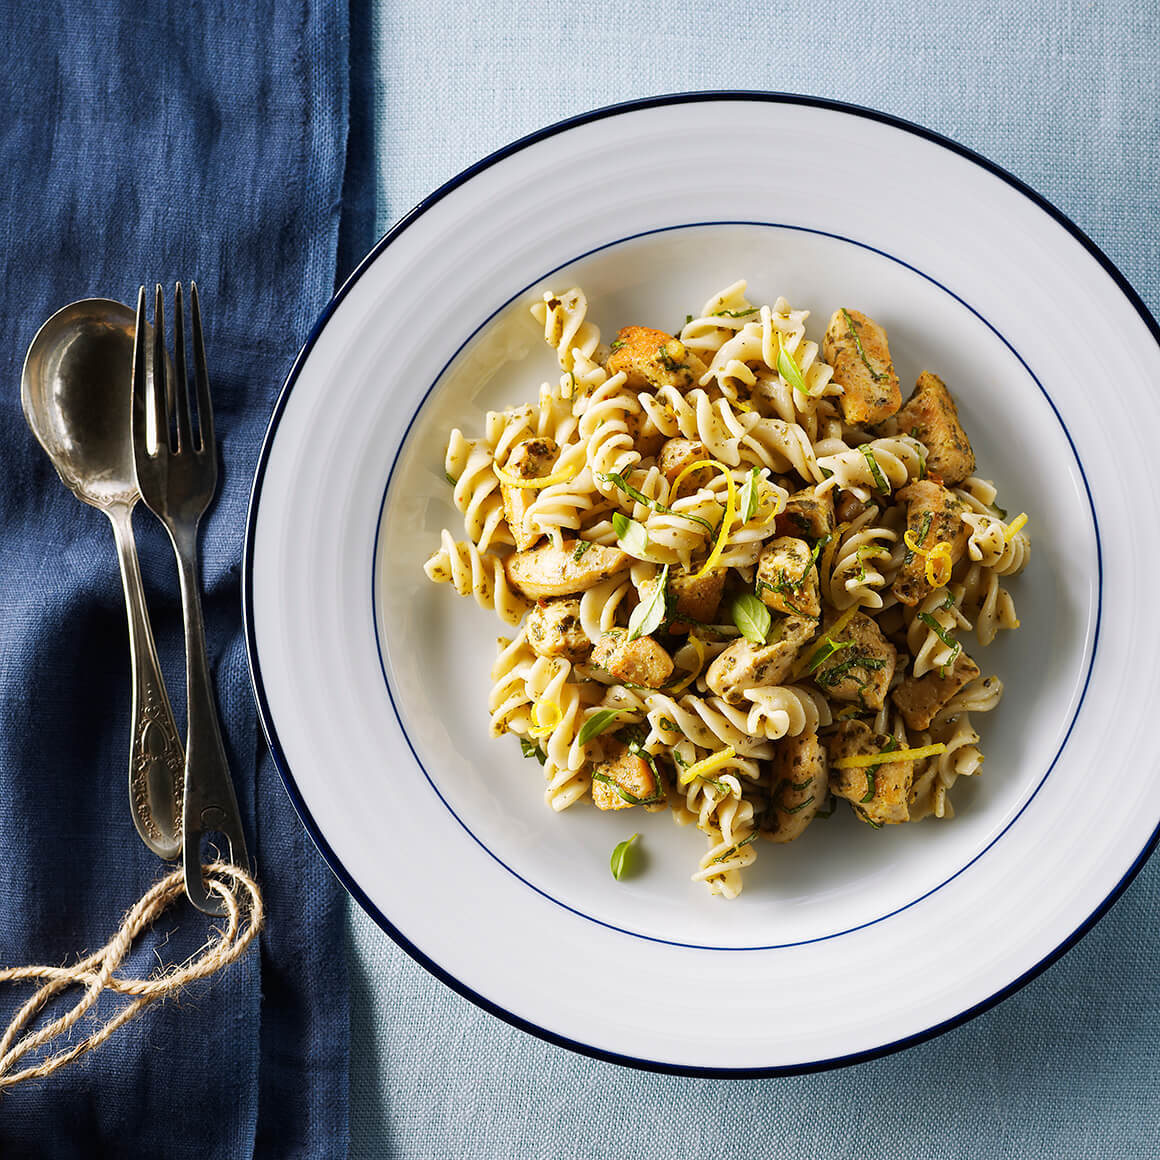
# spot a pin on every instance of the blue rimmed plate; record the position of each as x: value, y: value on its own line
x: 372, y: 682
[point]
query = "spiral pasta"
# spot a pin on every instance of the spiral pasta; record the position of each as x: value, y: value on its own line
x: 739, y: 592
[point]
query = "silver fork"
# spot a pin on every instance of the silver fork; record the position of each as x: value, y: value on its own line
x: 177, y: 475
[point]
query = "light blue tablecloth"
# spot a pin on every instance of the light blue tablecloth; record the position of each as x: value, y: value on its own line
x: 1067, y: 97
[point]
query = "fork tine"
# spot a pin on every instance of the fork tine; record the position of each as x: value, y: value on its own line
x: 140, y: 403
x: 181, y: 386
x: 160, y: 380
x: 201, y: 374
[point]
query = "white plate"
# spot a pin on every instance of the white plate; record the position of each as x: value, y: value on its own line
x: 372, y: 682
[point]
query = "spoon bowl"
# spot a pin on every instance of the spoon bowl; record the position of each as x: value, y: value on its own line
x: 77, y: 395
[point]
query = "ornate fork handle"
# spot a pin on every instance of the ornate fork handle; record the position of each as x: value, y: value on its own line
x: 210, y: 803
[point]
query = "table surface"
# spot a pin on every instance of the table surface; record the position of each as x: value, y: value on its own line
x: 1067, y: 97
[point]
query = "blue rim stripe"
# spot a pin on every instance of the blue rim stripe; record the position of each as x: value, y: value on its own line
x: 375, y: 586
x: 279, y: 757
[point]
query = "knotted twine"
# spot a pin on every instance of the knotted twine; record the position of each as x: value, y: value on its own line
x: 244, y: 916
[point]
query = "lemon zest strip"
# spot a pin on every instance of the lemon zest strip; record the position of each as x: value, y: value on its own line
x: 707, y: 765
x: 726, y: 519
x: 560, y: 476
x: 888, y: 756
x: 1015, y: 525
x: 699, y: 649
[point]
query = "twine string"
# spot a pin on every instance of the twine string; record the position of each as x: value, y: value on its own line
x: 244, y: 917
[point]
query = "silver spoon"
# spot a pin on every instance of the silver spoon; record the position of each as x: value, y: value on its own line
x: 77, y: 393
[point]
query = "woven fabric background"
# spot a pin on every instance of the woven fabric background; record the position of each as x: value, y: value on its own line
x: 1067, y: 97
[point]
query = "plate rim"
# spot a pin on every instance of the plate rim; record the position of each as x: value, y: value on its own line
x: 266, y: 717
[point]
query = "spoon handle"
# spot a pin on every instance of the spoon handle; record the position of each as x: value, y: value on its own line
x: 156, y: 756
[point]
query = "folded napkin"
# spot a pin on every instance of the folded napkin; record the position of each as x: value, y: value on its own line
x: 143, y: 142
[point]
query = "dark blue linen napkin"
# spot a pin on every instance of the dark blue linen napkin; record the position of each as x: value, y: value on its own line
x: 140, y: 142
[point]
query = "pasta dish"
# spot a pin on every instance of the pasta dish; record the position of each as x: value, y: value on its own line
x: 737, y: 569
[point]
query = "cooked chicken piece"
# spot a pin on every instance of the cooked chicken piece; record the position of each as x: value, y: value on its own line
x: 933, y: 515
x: 696, y: 597
x: 930, y: 415
x: 745, y: 665
x: 862, y: 666
x: 807, y: 514
x: 622, y: 777
x: 554, y: 629
x: 530, y: 459
x: 921, y: 700
x: 799, y: 786
x: 787, y: 577
x: 636, y: 662
x: 676, y: 455
x: 652, y: 358
x: 878, y: 792
x: 855, y: 346
x: 550, y: 571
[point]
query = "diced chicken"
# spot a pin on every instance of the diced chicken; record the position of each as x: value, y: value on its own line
x: 787, y: 577
x: 879, y: 793
x: 554, y: 629
x: 799, y: 786
x: 652, y: 358
x: 921, y: 700
x: 745, y: 665
x: 530, y: 459
x: 622, y: 779
x: 856, y: 347
x: 807, y: 514
x: 695, y: 597
x: 862, y: 665
x: 933, y: 515
x: 636, y: 662
x: 550, y: 571
x: 930, y: 415
x: 676, y: 455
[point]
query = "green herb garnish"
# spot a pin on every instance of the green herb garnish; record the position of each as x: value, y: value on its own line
x: 943, y: 635
x: 735, y: 313
x: 825, y: 650
x: 667, y: 361
x: 751, y: 617
x: 647, y: 615
x: 875, y: 375
x: 872, y: 770
x: 618, y: 481
x: 632, y: 536
x: 620, y: 857
x: 450, y: 478
x: 615, y: 345
x: 749, y: 497
x: 582, y: 546
x: 788, y: 369
x: 880, y: 483
x: 831, y: 677
x: 926, y: 521
x: 530, y: 749
x: 733, y: 849
x: 597, y: 724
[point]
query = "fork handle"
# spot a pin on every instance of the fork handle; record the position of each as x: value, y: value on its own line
x: 156, y: 759
x: 210, y: 803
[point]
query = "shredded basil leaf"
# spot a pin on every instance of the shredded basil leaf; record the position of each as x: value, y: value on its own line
x: 620, y: 857
x: 735, y: 313
x: 751, y: 617
x: 530, y: 749
x: 926, y: 521
x: 875, y: 375
x: 749, y: 497
x: 450, y: 478
x: 733, y: 849
x: 788, y: 369
x: 597, y: 723
x: 632, y: 536
x: 880, y: 483
x: 615, y: 345
x: 872, y: 771
x: 667, y: 361
x: 618, y: 481
x: 647, y: 616
x: 824, y: 651
x: 943, y: 635
x: 582, y: 546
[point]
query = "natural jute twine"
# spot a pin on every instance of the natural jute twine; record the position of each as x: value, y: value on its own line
x: 244, y: 916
